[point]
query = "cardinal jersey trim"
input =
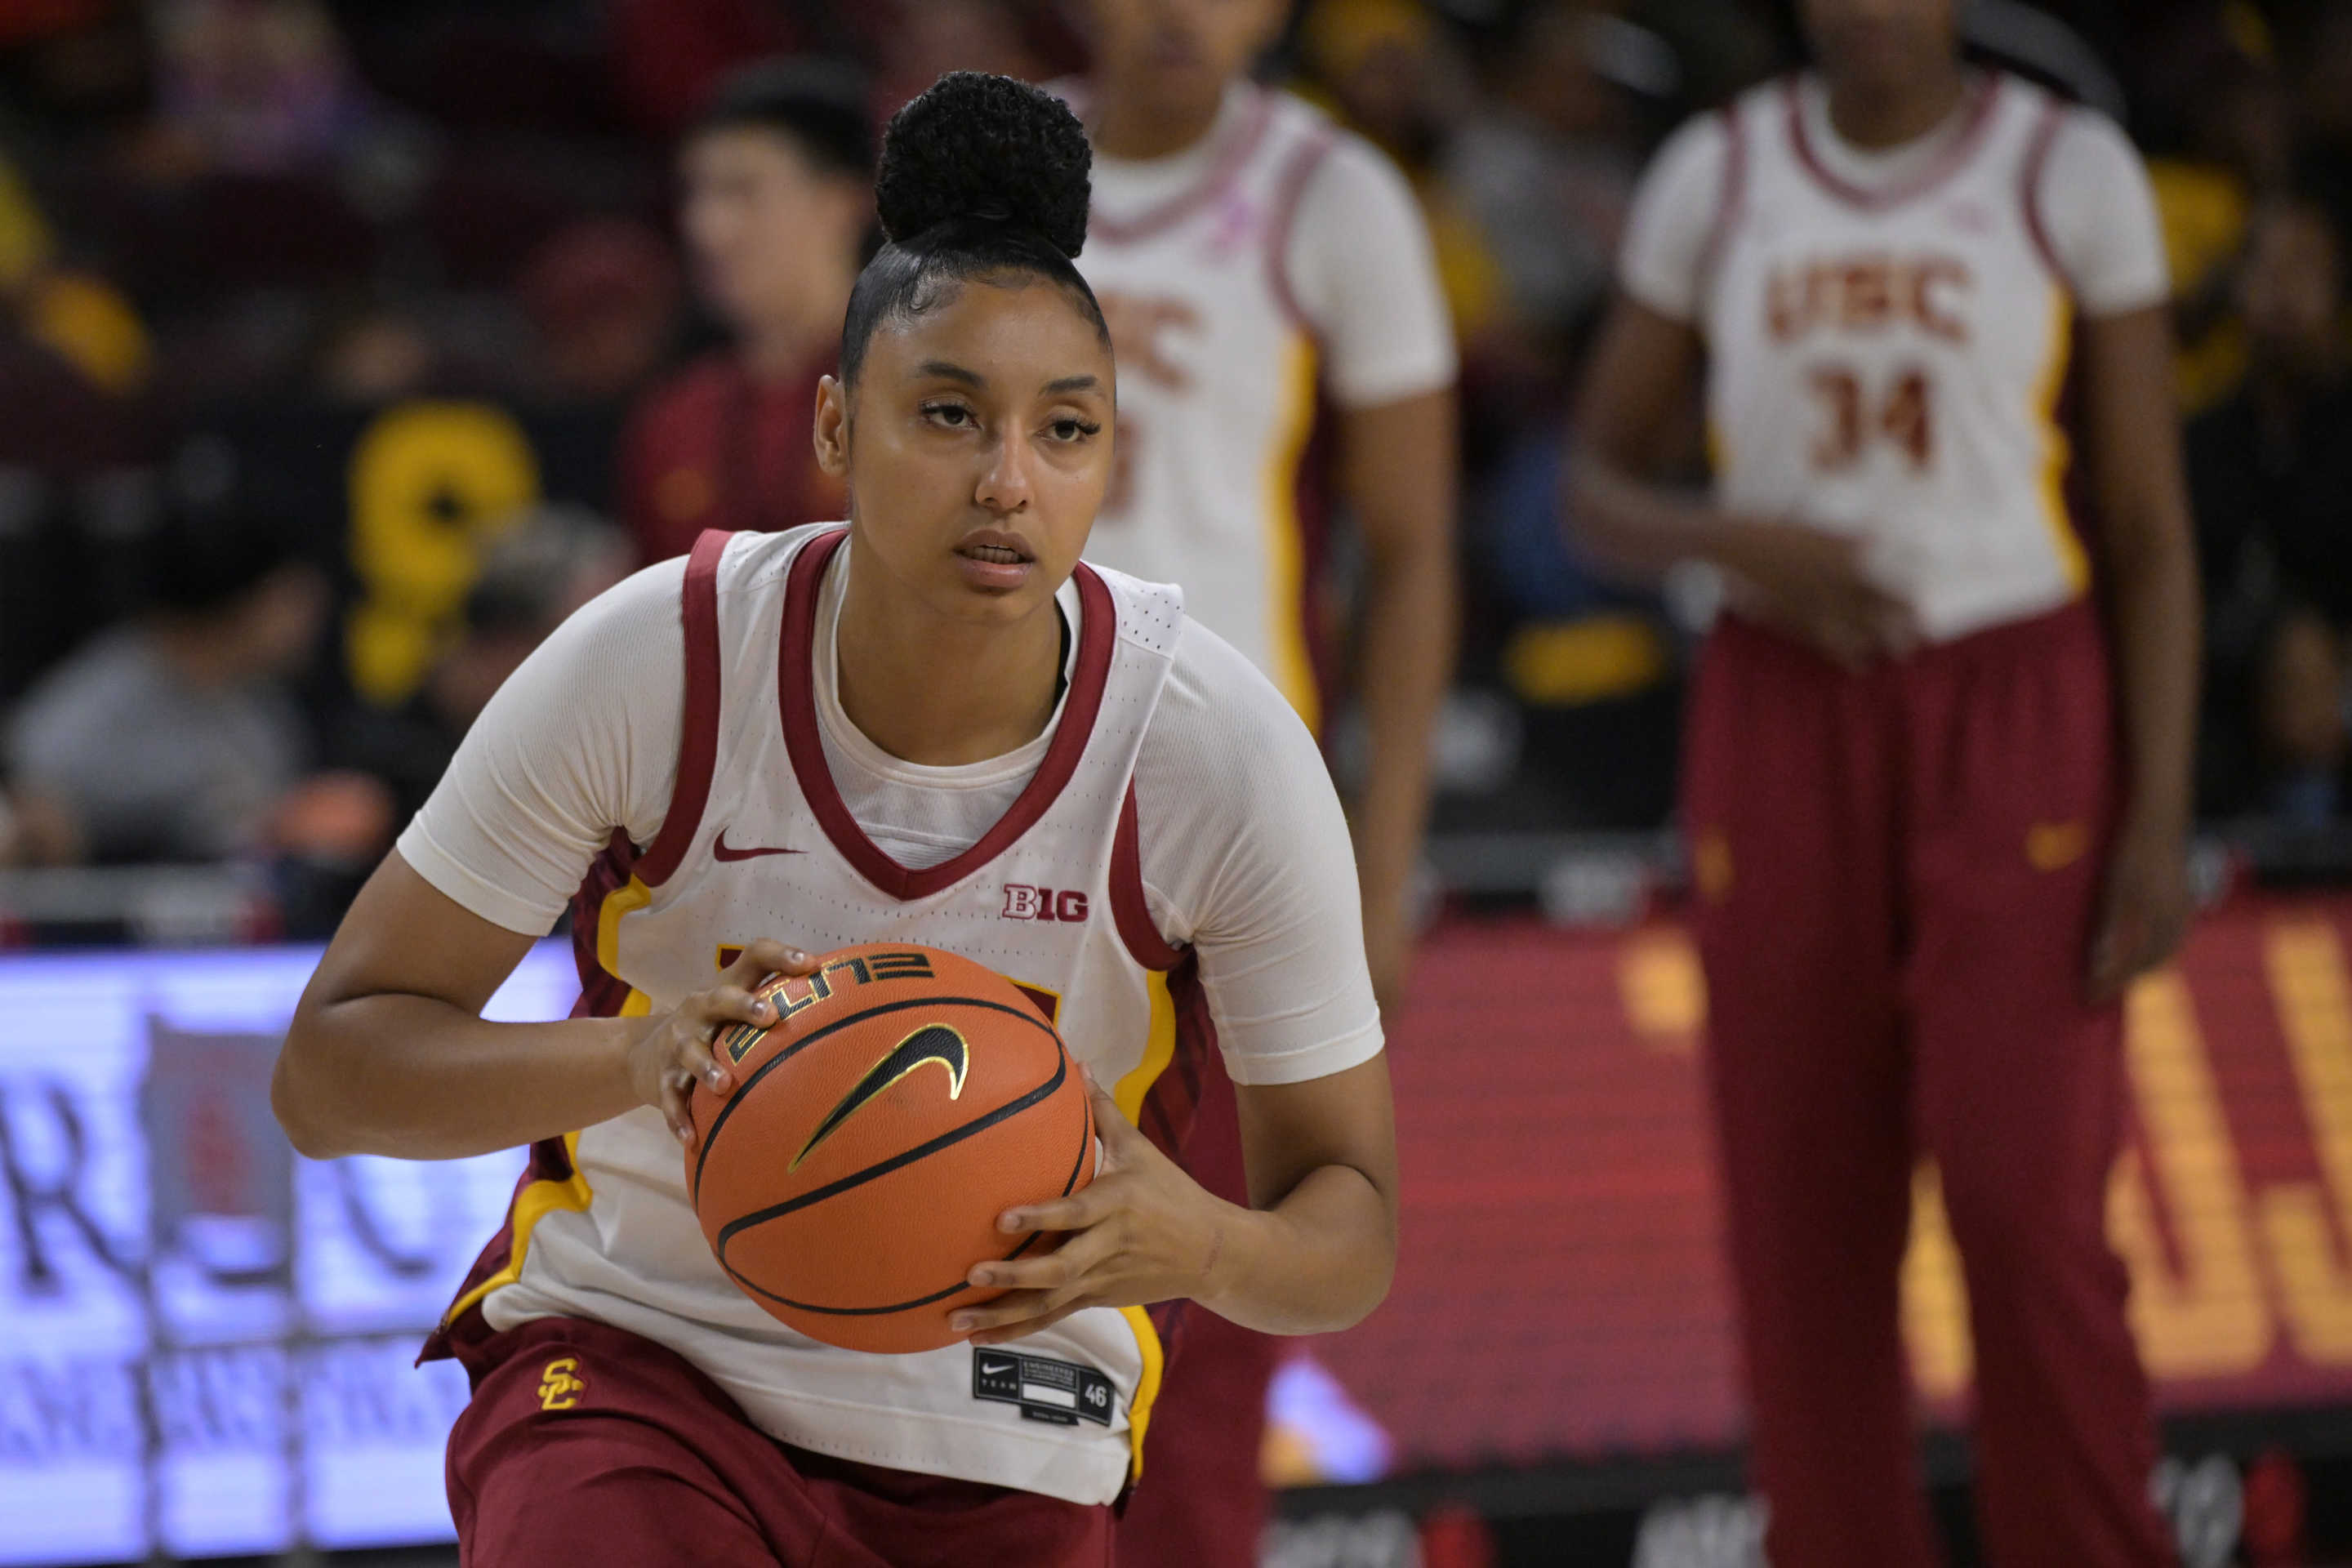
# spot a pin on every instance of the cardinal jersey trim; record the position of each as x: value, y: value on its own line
x: 797, y: 700
x: 1131, y: 1002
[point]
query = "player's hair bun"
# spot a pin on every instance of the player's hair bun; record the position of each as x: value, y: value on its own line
x: 990, y: 148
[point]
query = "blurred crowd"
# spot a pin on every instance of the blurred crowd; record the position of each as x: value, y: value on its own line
x: 345, y: 348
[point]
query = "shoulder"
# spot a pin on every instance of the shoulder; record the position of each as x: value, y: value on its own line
x: 2092, y: 207
x: 1694, y: 158
x: 1151, y: 614
x: 2085, y: 147
x: 634, y: 616
x: 1680, y: 209
x: 752, y: 560
x: 1342, y: 176
x: 1218, y: 704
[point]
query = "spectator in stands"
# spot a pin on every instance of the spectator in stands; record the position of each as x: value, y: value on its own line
x: 249, y: 87
x: 1547, y: 166
x: 2271, y: 474
x: 776, y: 176
x: 173, y: 737
x: 544, y: 566
x: 670, y: 54
x: 603, y: 298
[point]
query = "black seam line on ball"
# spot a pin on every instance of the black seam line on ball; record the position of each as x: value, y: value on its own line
x: 1026, y: 1014
x: 1086, y: 1136
x: 922, y: 1151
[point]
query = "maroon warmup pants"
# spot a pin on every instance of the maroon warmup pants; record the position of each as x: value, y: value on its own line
x: 586, y: 1446
x: 1201, y: 1504
x: 1898, y: 873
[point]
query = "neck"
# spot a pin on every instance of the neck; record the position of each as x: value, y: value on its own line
x: 1875, y: 120
x: 783, y: 346
x: 1127, y: 124
x: 936, y: 691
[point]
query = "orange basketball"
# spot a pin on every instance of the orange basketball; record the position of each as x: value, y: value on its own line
x: 905, y: 1099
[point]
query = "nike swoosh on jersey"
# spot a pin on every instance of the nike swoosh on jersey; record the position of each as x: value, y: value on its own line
x: 722, y: 849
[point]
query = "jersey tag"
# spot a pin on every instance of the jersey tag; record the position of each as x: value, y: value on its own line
x: 1059, y: 1392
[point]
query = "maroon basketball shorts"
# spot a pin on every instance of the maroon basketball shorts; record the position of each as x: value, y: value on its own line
x: 586, y: 1446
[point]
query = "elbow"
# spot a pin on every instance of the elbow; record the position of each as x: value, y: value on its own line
x: 1380, y: 1269
x: 1376, y: 1292
x: 295, y: 1101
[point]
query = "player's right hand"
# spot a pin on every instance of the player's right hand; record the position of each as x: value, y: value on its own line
x: 1815, y: 585
x: 674, y: 1053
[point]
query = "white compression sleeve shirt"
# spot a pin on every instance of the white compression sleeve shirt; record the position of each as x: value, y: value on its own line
x: 1246, y: 854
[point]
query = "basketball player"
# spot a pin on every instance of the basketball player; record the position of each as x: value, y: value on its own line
x: 925, y: 726
x: 1937, y: 786
x: 1271, y: 289
x: 776, y: 193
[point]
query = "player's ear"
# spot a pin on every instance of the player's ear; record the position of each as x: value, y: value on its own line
x: 832, y: 429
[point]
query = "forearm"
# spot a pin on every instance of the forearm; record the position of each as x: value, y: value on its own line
x: 1317, y: 1261
x: 1408, y: 659
x: 2154, y: 610
x: 421, y: 1079
x: 1641, y: 527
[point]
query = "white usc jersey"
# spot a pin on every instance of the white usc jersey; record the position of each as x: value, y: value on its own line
x: 756, y: 840
x: 1889, y: 363
x: 1217, y: 385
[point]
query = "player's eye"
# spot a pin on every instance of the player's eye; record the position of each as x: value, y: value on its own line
x: 1070, y: 428
x: 953, y: 415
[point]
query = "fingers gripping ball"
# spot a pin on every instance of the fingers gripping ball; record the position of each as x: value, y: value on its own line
x: 904, y: 1100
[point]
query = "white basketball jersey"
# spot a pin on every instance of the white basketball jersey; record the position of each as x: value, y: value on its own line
x: 1217, y: 378
x: 1888, y: 363
x: 758, y: 842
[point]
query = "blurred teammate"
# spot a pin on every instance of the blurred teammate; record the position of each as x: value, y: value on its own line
x: 1282, y: 339
x: 777, y: 198
x: 1937, y: 784
x: 852, y: 733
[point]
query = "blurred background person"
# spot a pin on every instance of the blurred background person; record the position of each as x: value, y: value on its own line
x: 2271, y: 468
x: 1254, y: 263
x: 602, y: 295
x: 178, y: 736
x: 536, y: 571
x: 1937, y: 806
x: 776, y: 182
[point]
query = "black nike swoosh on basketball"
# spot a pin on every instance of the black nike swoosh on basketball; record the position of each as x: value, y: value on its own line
x: 1024, y: 1013
x: 722, y: 850
x: 897, y: 1162
x: 931, y: 1043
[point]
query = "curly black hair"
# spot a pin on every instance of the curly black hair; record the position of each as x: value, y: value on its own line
x: 982, y: 174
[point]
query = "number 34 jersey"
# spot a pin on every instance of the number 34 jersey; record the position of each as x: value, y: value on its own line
x: 1889, y: 362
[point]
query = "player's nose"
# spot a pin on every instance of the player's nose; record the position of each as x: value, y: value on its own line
x: 1004, y: 485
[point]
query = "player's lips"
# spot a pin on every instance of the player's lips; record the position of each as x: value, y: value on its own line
x: 994, y: 558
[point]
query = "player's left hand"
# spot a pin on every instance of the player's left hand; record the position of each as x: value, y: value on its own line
x: 2145, y: 910
x: 1141, y: 1231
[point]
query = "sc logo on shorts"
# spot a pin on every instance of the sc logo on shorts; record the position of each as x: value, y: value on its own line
x: 560, y: 1385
